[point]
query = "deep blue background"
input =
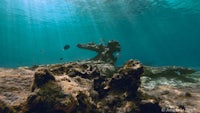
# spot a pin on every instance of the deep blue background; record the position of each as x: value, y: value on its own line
x: 157, y: 32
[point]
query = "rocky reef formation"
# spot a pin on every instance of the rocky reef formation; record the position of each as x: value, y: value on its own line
x: 81, y: 87
x: 170, y: 75
x: 93, y: 87
x: 167, y: 71
x: 47, y: 95
x: 104, y: 52
x: 177, y: 88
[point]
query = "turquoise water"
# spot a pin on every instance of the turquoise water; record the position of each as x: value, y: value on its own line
x: 157, y: 32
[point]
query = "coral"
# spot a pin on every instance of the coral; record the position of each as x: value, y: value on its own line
x: 104, y: 52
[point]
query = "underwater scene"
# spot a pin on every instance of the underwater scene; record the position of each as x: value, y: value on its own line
x: 99, y: 56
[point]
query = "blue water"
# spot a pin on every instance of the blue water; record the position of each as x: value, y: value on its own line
x: 157, y: 32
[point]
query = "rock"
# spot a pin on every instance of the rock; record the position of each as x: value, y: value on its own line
x: 171, y: 73
x: 187, y: 94
x: 14, y: 88
x: 149, y: 107
x: 167, y: 71
x: 116, y: 93
x: 81, y: 87
x: 174, y: 99
x: 128, y: 78
x: 5, y: 108
x: 41, y: 77
x: 85, y: 104
x: 47, y: 96
x: 104, y: 52
x: 174, y: 89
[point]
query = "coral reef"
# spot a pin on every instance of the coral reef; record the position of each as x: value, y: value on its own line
x: 90, y: 87
x: 104, y: 52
